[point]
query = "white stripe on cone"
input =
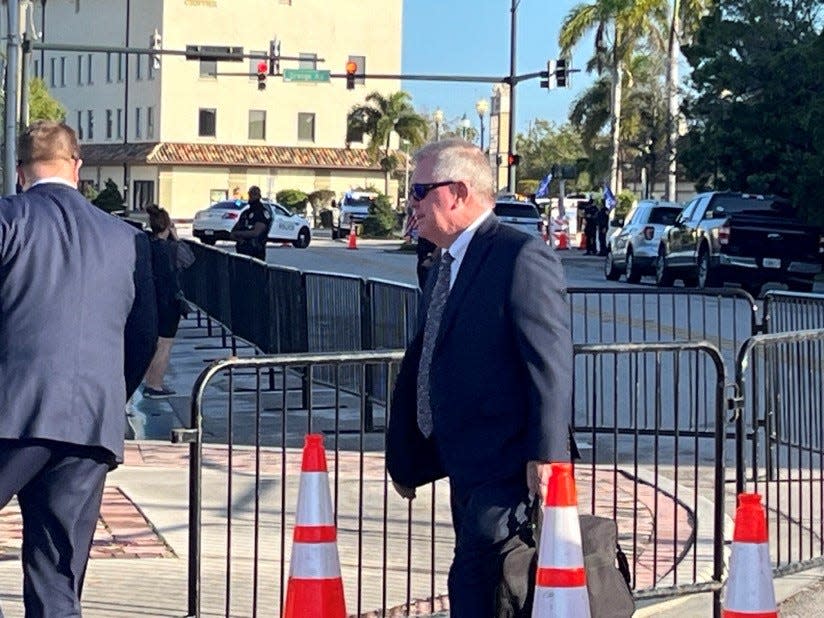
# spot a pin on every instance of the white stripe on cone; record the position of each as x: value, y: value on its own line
x: 314, y: 561
x: 560, y: 603
x: 561, y: 538
x: 314, y: 502
x: 749, y: 586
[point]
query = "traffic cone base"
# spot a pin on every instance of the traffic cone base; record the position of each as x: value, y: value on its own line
x: 749, y: 590
x: 353, y: 239
x: 583, y: 243
x: 563, y: 241
x: 311, y: 598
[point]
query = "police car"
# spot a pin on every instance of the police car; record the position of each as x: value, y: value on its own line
x: 217, y: 222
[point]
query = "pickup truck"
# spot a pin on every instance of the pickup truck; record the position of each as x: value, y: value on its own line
x: 740, y: 238
x: 354, y: 208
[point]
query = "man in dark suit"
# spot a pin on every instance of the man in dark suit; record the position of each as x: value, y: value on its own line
x: 77, y: 332
x: 484, y: 393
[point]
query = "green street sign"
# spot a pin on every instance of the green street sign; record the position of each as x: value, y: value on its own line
x: 305, y: 75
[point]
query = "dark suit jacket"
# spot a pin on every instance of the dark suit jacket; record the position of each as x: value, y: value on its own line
x: 501, y: 377
x: 77, y: 318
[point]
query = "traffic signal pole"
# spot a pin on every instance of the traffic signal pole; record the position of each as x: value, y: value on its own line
x: 12, y: 68
x: 511, y: 165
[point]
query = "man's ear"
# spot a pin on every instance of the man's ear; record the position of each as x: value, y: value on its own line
x: 21, y: 176
x: 461, y: 190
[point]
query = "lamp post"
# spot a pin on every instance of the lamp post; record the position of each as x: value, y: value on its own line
x: 438, y: 118
x: 482, y: 106
x: 465, y: 124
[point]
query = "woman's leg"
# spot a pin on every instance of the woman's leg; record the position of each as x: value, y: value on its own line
x: 159, y: 364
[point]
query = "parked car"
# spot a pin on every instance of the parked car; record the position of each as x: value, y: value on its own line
x: 740, y: 238
x: 633, y: 249
x: 353, y: 208
x: 521, y: 215
x: 217, y: 222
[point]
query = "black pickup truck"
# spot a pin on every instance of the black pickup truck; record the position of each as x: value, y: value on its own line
x: 735, y: 237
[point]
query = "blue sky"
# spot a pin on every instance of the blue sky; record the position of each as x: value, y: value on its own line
x: 471, y: 37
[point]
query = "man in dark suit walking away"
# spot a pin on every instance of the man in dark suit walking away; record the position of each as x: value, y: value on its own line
x: 77, y: 331
x: 484, y: 393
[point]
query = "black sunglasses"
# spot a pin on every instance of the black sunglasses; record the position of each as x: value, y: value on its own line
x: 418, y: 191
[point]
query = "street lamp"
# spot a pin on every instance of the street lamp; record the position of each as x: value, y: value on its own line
x: 482, y: 106
x: 464, y: 126
x: 438, y: 118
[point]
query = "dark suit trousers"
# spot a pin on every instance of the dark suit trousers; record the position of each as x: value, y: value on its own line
x: 491, y: 521
x: 59, y: 488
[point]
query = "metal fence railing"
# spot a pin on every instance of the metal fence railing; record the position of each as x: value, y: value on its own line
x: 786, y: 312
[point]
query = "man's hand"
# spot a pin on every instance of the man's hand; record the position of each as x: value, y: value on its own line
x: 403, y: 491
x: 537, y: 477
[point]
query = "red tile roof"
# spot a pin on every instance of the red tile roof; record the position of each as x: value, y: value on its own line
x: 166, y: 153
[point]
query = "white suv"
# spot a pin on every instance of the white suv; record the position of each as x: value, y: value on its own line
x: 634, y: 248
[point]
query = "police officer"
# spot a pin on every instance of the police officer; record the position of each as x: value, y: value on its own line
x: 590, y: 226
x: 252, y: 228
x: 602, y: 219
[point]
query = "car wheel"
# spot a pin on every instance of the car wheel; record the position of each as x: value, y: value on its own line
x: 663, y: 276
x: 208, y: 241
x: 633, y: 276
x: 610, y: 271
x: 705, y: 277
x: 303, y: 239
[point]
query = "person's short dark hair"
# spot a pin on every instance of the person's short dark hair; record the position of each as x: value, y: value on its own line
x: 254, y: 191
x: 159, y: 219
x: 47, y: 140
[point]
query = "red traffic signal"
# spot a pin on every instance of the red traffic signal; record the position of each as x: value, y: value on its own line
x: 514, y: 159
x: 351, y: 69
x: 262, y: 68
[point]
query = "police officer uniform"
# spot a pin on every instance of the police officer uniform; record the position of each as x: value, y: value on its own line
x: 256, y: 213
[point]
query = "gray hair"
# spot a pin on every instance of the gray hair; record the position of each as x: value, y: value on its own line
x: 457, y: 159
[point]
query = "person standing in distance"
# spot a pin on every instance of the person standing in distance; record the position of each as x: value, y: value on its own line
x: 484, y: 392
x: 77, y: 332
x: 252, y: 228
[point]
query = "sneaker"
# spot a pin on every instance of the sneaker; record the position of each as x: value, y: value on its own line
x: 154, y: 393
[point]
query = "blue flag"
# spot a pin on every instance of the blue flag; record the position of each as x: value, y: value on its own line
x: 609, y: 198
x: 543, y: 188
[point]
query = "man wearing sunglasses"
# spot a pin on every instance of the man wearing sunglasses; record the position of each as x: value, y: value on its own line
x: 484, y: 393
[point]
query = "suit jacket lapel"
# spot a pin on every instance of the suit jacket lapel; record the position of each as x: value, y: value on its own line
x: 476, y: 253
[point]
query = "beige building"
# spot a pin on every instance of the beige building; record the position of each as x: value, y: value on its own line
x: 184, y: 133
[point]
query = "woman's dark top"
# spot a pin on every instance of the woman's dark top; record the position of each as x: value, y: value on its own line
x: 167, y: 285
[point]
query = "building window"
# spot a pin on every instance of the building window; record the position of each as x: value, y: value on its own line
x: 80, y: 69
x: 208, y: 68
x: 143, y: 193
x: 257, y: 124
x: 207, y: 119
x: 119, y: 124
x: 361, y: 62
x: 109, y: 67
x: 109, y: 124
x: 253, y: 64
x: 121, y: 66
x: 138, y: 67
x: 150, y: 72
x: 307, y: 61
x: 306, y: 127
x: 79, y: 124
x: 62, y: 71
x: 138, y: 126
x: 150, y: 133
x: 90, y: 123
x: 53, y: 80
x: 89, y: 69
x: 37, y: 69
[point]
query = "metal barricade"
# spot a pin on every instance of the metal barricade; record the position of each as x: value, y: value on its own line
x: 786, y: 312
x: 645, y: 464
x: 243, y: 487
x: 780, y: 381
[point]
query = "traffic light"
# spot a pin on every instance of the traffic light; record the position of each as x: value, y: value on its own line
x: 261, y: 75
x: 548, y: 76
x: 155, y: 43
x: 274, y: 57
x: 561, y: 74
x: 514, y: 160
x: 351, y: 69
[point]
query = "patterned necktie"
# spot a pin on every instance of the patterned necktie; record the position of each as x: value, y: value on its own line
x: 430, y: 334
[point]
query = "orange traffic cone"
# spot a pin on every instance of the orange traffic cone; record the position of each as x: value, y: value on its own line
x: 563, y: 240
x: 353, y: 239
x: 749, y: 588
x: 561, y: 583
x: 583, y: 243
x: 315, y: 585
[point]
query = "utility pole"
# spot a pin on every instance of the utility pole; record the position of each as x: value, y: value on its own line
x: 512, y: 168
x: 24, y: 82
x: 12, y: 73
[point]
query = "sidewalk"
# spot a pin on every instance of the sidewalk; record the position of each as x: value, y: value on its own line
x: 138, y: 564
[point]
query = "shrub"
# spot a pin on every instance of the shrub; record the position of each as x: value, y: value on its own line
x: 527, y: 187
x: 109, y: 199
x: 321, y: 199
x: 382, y: 219
x: 293, y: 199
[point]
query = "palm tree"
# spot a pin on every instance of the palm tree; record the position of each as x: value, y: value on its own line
x: 685, y: 16
x: 620, y: 27
x: 378, y: 118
